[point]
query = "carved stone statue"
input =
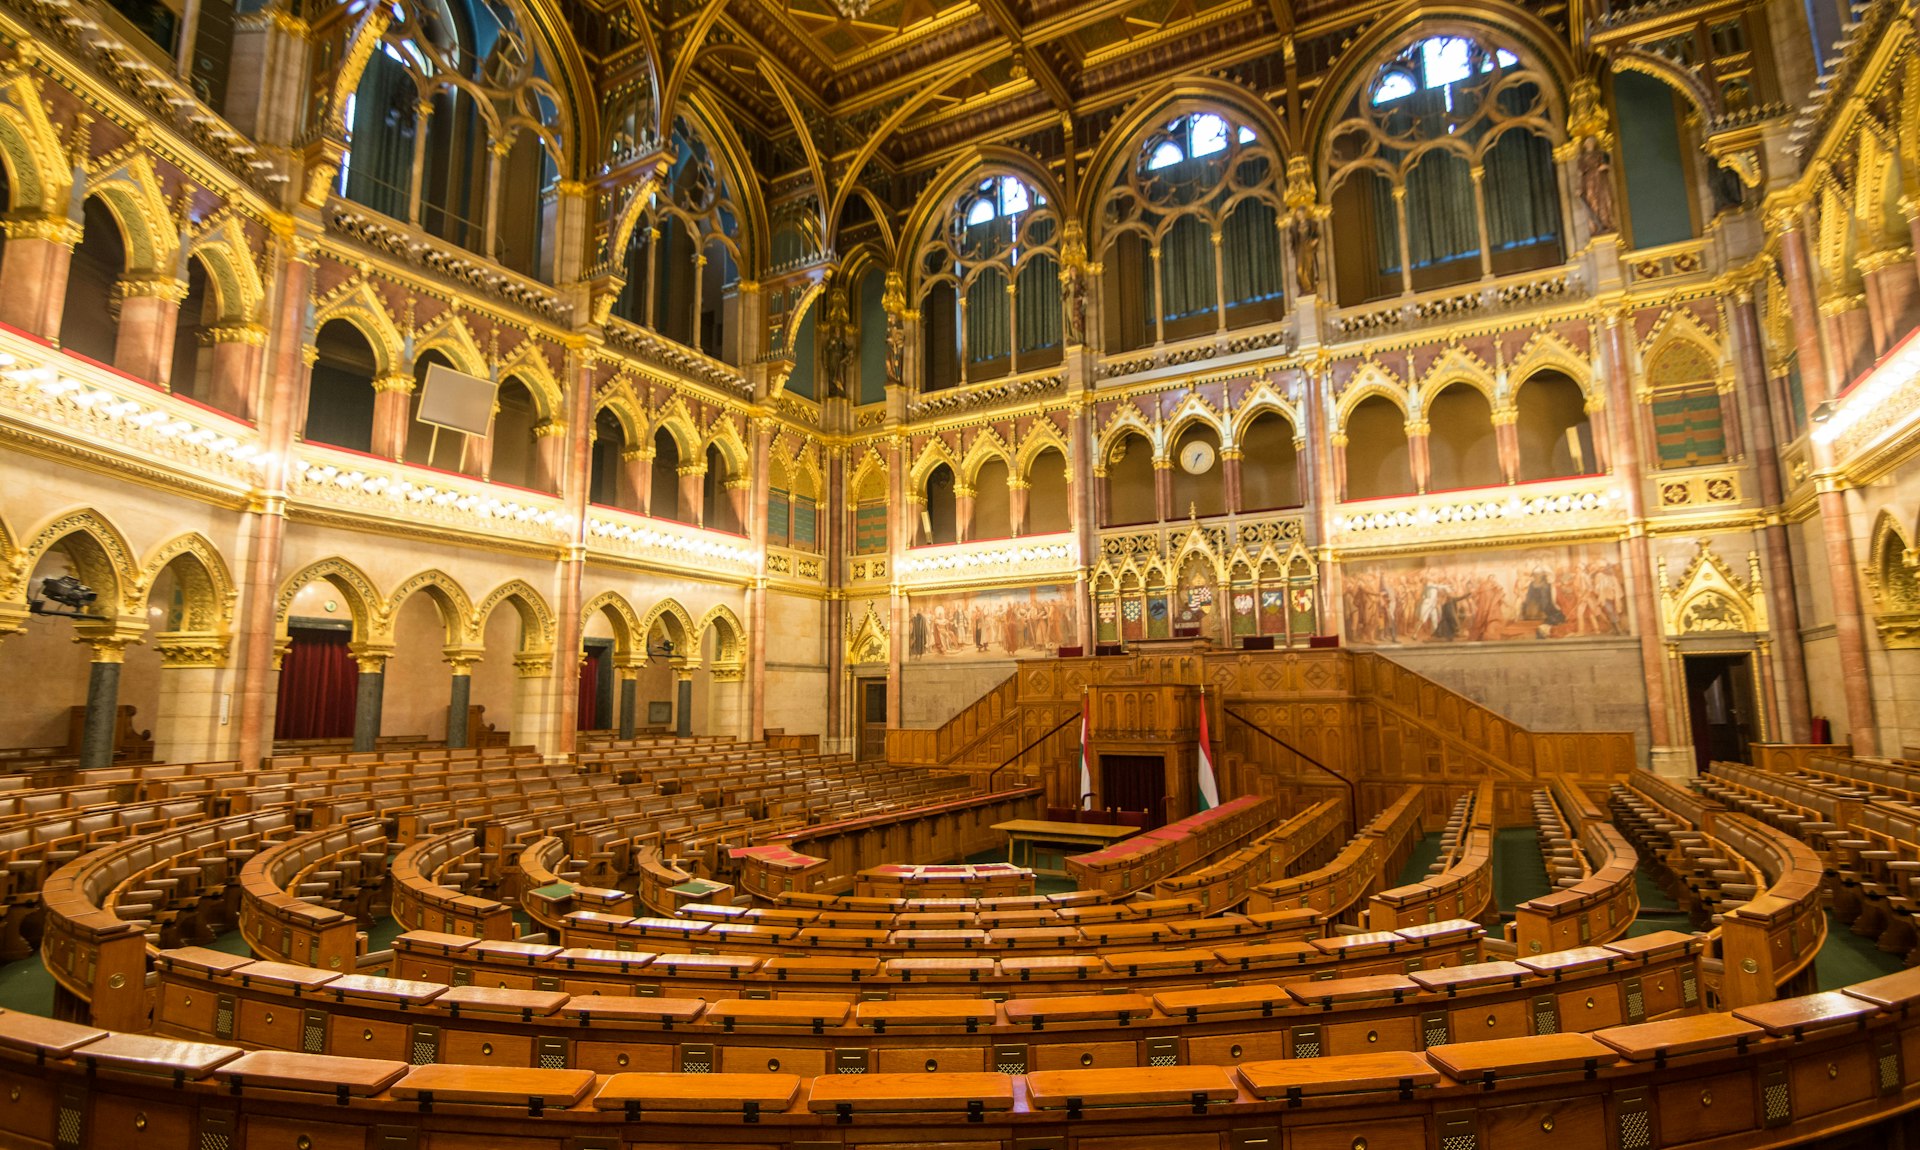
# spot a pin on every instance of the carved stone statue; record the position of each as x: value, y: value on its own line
x: 1075, y: 303
x: 1596, y: 186
x: 1306, y: 256
x: 896, y: 350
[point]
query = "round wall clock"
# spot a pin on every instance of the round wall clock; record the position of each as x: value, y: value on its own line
x: 1196, y: 458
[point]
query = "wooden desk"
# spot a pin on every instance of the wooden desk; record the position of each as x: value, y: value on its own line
x: 1032, y: 833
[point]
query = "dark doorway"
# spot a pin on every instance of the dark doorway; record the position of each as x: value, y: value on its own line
x: 596, y: 709
x: 1135, y: 786
x: 1720, y: 707
x: 873, y: 720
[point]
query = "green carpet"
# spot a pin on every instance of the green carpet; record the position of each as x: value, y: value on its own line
x: 1519, y: 869
x: 1846, y: 958
x: 26, y: 986
x: 1424, y: 853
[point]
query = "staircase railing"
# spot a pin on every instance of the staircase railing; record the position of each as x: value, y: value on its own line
x: 1353, y: 792
x: 1022, y: 753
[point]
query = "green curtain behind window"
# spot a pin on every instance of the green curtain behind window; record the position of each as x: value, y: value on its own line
x: 380, y: 172
x: 1523, y: 197
x: 1442, y: 223
x: 1186, y: 269
x: 1037, y: 297
x: 987, y: 327
x: 1250, y: 249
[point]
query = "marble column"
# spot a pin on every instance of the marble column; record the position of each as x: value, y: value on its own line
x: 1783, y: 608
x: 149, y: 319
x: 1419, y: 458
x: 549, y: 455
x: 459, y: 695
x: 962, y: 513
x: 1803, y: 309
x: 533, y: 717
x: 693, y: 493
x: 836, y: 546
x: 564, y: 697
x: 636, y: 464
x: 392, y: 415
x: 283, y: 400
x: 103, y: 699
x: 683, y: 701
x: 239, y: 350
x: 1639, y: 561
x: 739, y: 495
x: 367, y: 699
x: 34, y: 267
x: 1506, y: 439
x: 1017, y: 492
x: 626, y: 678
x: 1163, y: 490
x: 1230, y: 478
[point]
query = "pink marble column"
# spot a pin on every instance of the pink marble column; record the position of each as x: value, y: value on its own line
x: 1802, y: 308
x: 1506, y: 439
x: 549, y: 455
x: 1163, y: 489
x: 149, y: 318
x: 1783, y: 608
x: 34, y: 268
x: 693, y: 493
x: 1337, y: 459
x: 1230, y: 478
x: 238, y: 354
x: 903, y: 519
x: 962, y: 513
x: 392, y: 415
x: 1087, y: 497
x: 1101, y: 487
x: 1849, y: 338
x: 1418, y: 458
x: 1731, y: 423
x: 266, y: 526
x: 636, y: 466
x: 1017, y: 492
x: 1639, y: 565
x: 568, y: 626
x: 1849, y: 630
x: 1892, y: 288
x: 837, y: 543
x: 739, y: 494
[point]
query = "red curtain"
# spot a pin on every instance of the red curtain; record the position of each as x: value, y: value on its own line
x: 590, y: 692
x: 318, y: 685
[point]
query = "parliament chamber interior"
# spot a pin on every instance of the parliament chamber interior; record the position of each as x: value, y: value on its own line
x: 965, y: 574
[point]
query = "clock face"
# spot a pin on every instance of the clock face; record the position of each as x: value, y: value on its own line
x: 1196, y: 458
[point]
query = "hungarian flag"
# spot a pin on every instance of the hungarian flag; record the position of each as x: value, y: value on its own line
x: 1086, y: 770
x: 1209, y: 789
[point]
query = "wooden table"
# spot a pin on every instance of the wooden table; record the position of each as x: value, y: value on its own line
x: 1034, y: 833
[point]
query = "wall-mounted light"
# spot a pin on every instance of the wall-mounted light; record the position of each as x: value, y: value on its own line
x: 1823, y: 412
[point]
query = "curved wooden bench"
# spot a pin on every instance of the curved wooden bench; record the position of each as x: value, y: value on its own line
x: 1331, y: 891
x: 1825, y: 1064
x: 814, y: 1020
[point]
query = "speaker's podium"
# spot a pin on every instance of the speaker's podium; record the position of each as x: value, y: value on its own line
x: 1141, y: 740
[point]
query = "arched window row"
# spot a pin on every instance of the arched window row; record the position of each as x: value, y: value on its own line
x: 1001, y: 500
x: 1197, y: 474
x: 1459, y: 441
x: 703, y: 484
x: 1441, y: 170
x: 453, y: 129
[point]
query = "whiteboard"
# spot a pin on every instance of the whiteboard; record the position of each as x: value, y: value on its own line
x: 456, y: 401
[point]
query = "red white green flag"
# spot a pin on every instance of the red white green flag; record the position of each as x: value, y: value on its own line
x: 1209, y: 788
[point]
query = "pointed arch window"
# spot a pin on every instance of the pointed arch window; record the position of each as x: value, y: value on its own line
x: 1441, y: 170
x: 1191, y: 233
x: 990, y: 285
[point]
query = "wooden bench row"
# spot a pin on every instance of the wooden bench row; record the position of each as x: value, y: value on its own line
x: 1140, y: 861
x: 207, y: 994
x: 1332, y: 891
x: 1776, y: 1073
x: 1598, y: 897
x: 1460, y: 884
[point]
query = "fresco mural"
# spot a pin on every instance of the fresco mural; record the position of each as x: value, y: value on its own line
x: 1005, y: 623
x: 1493, y: 596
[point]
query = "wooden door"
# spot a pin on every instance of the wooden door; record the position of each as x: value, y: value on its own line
x: 873, y: 719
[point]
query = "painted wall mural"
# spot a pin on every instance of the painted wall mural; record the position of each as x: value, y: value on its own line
x: 1538, y: 593
x: 1007, y: 623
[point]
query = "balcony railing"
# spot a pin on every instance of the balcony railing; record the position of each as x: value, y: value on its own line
x: 663, y: 543
x: 1588, y: 502
x: 1027, y: 557
x: 88, y: 408
x: 344, y: 480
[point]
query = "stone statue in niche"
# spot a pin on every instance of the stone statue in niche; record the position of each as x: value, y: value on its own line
x: 1306, y: 255
x: 896, y: 350
x: 1075, y: 279
x: 1595, y: 168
